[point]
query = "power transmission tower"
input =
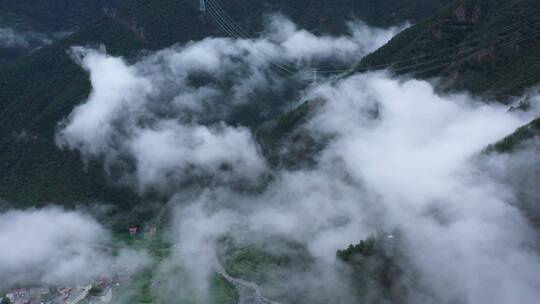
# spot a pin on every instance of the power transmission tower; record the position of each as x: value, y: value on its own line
x: 202, y: 6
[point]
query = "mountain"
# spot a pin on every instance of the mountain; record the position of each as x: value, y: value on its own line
x: 375, y: 272
x: 57, y: 15
x: 329, y: 16
x: 28, y: 25
x: 488, y: 47
x: 251, y: 243
x: 513, y: 141
x: 39, y: 91
x: 19, y: 36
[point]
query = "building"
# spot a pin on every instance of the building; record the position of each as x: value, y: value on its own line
x: 27, y: 296
x: 104, y: 298
x: 76, y: 296
x: 18, y: 296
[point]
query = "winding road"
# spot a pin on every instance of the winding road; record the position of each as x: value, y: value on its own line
x: 249, y: 292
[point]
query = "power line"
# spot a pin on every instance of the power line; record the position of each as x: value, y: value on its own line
x: 243, y: 33
x: 525, y: 38
x: 225, y: 28
x: 438, y: 60
x: 479, y: 39
x: 236, y: 31
x: 202, y: 5
x: 233, y: 29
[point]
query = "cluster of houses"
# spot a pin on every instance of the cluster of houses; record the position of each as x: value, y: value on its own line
x: 27, y: 296
x: 63, y: 295
x: 99, y: 292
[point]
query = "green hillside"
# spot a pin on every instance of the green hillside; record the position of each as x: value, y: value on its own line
x: 331, y: 16
x: 38, y: 91
x: 36, y: 23
x: 511, y: 142
x: 489, y: 47
x: 31, y: 36
x: 374, y: 268
x: 57, y: 15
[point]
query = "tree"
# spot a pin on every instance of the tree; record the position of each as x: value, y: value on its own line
x: 5, y: 300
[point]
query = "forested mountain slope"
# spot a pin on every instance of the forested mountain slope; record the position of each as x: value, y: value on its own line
x: 513, y: 141
x: 40, y: 90
x: 488, y: 47
x: 20, y: 35
x: 37, y: 92
x: 330, y: 16
x: 30, y: 24
x: 57, y: 15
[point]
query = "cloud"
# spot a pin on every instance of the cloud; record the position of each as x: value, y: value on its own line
x: 518, y: 170
x: 52, y: 246
x: 302, y: 45
x: 161, y: 120
x: 397, y: 156
x: 402, y: 129
x: 400, y: 157
x: 118, y: 121
x: 13, y: 38
x: 415, y: 150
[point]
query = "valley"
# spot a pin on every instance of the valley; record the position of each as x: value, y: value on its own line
x: 254, y: 152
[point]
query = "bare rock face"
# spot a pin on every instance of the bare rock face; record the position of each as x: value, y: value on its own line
x: 436, y: 33
x: 464, y: 14
x: 476, y: 14
x: 460, y: 13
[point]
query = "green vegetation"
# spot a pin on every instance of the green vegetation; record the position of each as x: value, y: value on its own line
x: 374, y: 267
x: 263, y: 264
x: 365, y: 248
x: 223, y: 292
x: 57, y: 15
x: 38, y: 91
x: 5, y: 300
x: 489, y: 47
x: 271, y: 132
x: 509, y: 143
x: 156, y: 245
x: 151, y: 285
x: 145, y: 288
x: 35, y: 36
x: 322, y: 16
x: 40, y: 21
x: 285, y: 132
x: 138, y: 290
x: 96, y: 290
x: 253, y: 264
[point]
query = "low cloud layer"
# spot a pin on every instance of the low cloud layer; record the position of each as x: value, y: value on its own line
x: 300, y: 45
x: 175, y: 100
x: 54, y: 247
x: 12, y: 38
x: 397, y: 157
x: 400, y: 157
x: 416, y: 155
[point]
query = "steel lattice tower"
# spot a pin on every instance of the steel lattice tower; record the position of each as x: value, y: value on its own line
x: 202, y: 5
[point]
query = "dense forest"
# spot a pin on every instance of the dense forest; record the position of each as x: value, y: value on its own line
x: 38, y: 91
x: 486, y: 47
x: 232, y: 179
